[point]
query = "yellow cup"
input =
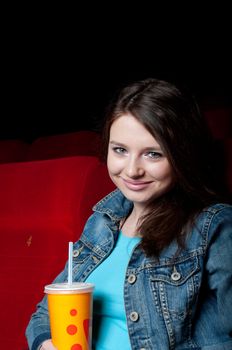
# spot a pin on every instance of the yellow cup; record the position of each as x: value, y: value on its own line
x: 70, y: 312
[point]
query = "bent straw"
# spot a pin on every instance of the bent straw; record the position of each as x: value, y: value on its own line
x: 70, y: 254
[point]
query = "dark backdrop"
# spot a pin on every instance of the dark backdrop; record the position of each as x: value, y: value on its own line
x: 59, y: 78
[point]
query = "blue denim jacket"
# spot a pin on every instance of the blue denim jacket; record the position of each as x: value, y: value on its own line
x: 174, y: 302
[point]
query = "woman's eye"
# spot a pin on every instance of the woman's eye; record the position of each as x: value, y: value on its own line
x: 119, y: 150
x: 153, y: 155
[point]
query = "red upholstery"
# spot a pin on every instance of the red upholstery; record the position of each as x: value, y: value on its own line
x: 219, y: 121
x: 43, y: 206
x: 12, y: 150
x: 82, y: 142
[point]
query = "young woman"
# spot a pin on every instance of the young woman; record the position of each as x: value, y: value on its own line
x: 158, y: 248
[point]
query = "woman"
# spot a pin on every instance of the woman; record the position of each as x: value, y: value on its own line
x: 162, y: 270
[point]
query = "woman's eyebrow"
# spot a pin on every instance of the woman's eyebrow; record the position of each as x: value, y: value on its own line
x: 117, y: 143
x: 153, y: 148
x: 148, y: 148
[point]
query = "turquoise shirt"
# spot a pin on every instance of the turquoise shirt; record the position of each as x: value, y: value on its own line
x: 109, y: 318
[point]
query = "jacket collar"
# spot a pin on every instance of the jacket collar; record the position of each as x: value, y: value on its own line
x: 115, y: 205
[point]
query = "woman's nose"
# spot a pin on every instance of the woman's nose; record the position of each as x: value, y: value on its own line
x: 134, y: 168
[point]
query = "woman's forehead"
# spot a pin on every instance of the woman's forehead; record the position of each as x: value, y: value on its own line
x: 127, y: 128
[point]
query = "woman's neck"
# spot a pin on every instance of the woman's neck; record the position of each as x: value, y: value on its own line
x: 129, y: 225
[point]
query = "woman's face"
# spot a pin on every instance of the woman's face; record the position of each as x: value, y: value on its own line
x: 136, y: 163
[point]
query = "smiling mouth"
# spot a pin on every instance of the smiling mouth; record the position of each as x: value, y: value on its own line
x: 136, y: 185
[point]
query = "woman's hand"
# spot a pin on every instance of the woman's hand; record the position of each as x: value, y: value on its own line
x: 47, y: 345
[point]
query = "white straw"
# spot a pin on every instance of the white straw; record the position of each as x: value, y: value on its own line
x: 70, y: 254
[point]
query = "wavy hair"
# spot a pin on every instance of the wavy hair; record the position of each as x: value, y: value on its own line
x: 173, y: 117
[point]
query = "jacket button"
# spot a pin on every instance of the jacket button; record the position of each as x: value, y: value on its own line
x: 76, y: 253
x: 131, y: 279
x: 134, y: 316
x: 175, y: 276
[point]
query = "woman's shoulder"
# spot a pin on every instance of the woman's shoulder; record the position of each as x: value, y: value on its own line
x: 217, y: 220
x: 219, y: 208
x: 114, y: 204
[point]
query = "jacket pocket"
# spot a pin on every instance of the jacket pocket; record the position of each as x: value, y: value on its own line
x: 175, y: 286
x: 81, y: 259
x: 221, y: 346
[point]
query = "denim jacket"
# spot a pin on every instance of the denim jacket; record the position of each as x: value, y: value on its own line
x: 176, y: 302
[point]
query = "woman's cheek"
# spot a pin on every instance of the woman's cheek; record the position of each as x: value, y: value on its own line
x: 114, y: 165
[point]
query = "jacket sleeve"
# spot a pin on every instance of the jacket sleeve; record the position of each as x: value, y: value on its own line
x: 38, y: 328
x: 219, y: 266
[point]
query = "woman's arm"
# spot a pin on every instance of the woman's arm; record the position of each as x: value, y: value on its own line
x: 38, y: 329
x: 47, y: 345
x: 219, y: 266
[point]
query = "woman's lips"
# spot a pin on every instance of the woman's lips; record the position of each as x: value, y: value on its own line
x: 136, y: 185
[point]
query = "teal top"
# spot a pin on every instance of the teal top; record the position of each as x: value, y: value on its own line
x: 109, y: 317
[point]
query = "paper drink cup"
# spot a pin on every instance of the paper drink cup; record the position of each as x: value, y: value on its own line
x: 70, y: 312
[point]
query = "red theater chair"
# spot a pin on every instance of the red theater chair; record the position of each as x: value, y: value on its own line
x: 43, y: 206
x: 63, y: 145
x: 12, y: 150
x: 219, y: 121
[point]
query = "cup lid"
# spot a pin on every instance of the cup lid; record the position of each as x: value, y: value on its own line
x: 66, y: 288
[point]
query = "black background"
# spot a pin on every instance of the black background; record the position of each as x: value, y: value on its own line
x: 60, y: 69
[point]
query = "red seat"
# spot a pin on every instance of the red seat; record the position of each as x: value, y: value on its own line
x: 63, y: 145
x: 12, y: 150
x: 43, y: 206
x: 219, y: 121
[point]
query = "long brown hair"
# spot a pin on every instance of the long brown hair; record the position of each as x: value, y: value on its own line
x: 172, y: 116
